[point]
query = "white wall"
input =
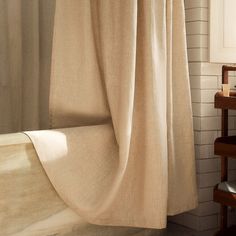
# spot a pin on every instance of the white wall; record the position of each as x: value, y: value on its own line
x: 205, y: 80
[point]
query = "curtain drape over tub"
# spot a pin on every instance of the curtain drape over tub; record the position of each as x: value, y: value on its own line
x: 120, y: 76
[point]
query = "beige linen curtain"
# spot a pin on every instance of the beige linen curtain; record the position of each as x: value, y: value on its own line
x: 120, y: 92
x: 26, y: 28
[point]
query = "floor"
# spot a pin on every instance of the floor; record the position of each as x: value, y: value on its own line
x: 177, y: 230
x: 172, y: 230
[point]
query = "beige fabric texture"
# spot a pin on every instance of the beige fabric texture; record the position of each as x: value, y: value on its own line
x: 30, y: 205
x: 26, y: 28
x: 120, y: 82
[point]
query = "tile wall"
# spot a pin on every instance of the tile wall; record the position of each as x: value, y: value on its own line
x: 205, y: 80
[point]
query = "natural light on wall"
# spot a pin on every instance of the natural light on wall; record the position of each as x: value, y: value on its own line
x: 222, y: 42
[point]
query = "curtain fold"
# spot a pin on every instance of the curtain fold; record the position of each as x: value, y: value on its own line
x: 179, y: 112
x: 26, y: 28
x: 120, y: 91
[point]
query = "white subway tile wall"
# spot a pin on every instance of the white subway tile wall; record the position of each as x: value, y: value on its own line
x: 205, y: 80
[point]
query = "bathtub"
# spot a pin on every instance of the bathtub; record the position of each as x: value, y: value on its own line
x: 29, y: 205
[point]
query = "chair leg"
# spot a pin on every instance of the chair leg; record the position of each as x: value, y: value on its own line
x: 223, y: 217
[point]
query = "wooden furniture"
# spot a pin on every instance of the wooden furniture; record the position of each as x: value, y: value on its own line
x: 225, y: 146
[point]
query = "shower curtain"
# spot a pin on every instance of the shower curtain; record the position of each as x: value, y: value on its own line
x: 26, y: 28
x: 121, y: 151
